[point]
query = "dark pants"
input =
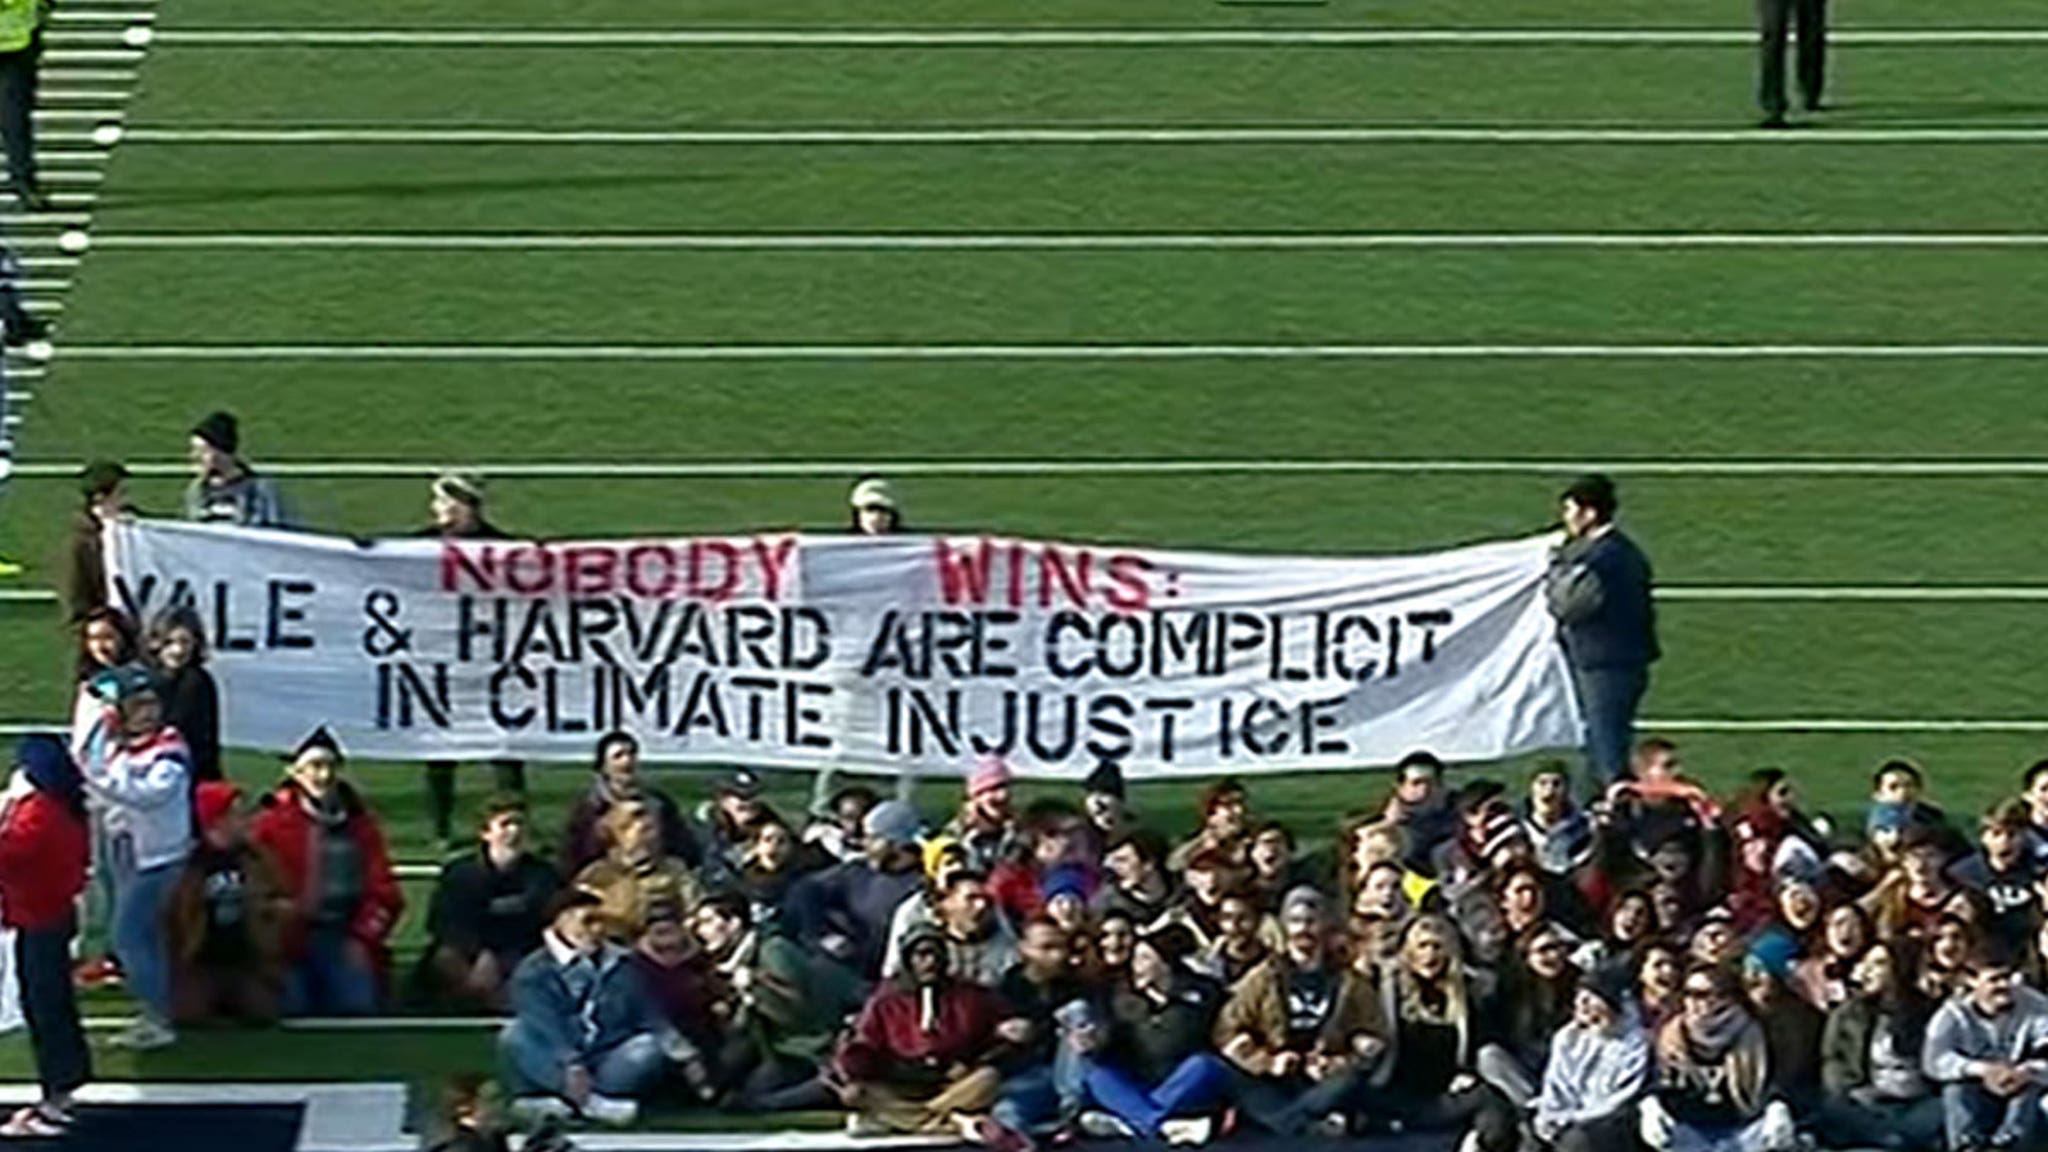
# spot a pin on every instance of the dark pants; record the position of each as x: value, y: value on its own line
x: 17, y: 113
x: 511, y: 777
x: 1894, y: 1125
x: 1608, y: 698
x: 1615, y: 1133
x: 43, y: 958
x: 1481, y: 1109
x: 1774, y: 19
x: 1292, y: 1106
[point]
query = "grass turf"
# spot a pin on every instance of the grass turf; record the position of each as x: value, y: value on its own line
x: 1732, y: 661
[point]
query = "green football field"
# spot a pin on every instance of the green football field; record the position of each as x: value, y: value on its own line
x: 1349, y: 277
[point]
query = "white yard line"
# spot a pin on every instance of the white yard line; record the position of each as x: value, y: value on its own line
x: 720, y: 353
x: 1809, y: 467
x: 1055, y: 135
x: 1062, y: 241
x: 1050, y: 38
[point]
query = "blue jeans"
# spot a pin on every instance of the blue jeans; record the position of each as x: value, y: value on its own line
x: 139, y: 904
x: 1608, y: 698
x: 531, y: 1065
x: 1744, y: 1138
x: 331, y: 979
x: 1045, y: 1095
x: 1974, y: 1117
x: 1195, y: 1085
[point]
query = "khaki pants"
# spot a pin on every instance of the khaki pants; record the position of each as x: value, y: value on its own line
x: 901, y: 1110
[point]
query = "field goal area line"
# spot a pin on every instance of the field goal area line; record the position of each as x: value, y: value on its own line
x: 1055, y: 38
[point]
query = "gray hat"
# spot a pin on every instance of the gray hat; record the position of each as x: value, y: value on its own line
x: 893, y: 822
x: 1306, y: 897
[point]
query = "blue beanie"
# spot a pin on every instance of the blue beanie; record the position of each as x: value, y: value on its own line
x: 1065, y: 880
x: 1774, y: 951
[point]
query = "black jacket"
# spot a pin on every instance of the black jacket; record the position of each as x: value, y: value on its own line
x: 1148, y: 1038
x: 192, y: 706
x: 1599, y: 591
x: 479, y: 909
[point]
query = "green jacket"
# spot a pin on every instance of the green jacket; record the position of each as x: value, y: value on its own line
x: 796, y: 1003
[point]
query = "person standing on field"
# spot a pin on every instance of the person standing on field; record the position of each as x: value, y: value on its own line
x: 21, y: 54
x: 1775, y: 19
x: 457, y: 507
x: 1598, y: 589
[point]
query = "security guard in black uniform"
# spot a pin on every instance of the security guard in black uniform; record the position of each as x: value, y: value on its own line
x: 1774, y: 20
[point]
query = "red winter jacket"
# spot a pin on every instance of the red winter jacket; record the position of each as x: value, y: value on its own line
x: 286, y: 829
x: 43, y: 850
x: 890, y: 1042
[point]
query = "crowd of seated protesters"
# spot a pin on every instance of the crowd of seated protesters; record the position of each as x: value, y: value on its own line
x: 1504, y: 968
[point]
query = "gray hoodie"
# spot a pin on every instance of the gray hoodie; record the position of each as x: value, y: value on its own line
x: 1961, y: 1040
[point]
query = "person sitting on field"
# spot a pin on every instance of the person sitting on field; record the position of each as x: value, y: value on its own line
x: 917, y: 1059
x: 337, y: 871
x: 845, y: 912
x: 227, y: 919
x: 779, y: 1007
x: 586, y: 1040
x: 634, y: 874
x: 1225, y: 830
x: 1305, y: 1029
x: 727, y: 823
x: 616, y: 777
x: 987, y: 825
x: 487, y: 913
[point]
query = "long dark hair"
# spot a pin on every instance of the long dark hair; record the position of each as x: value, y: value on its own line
x: 124, y: 628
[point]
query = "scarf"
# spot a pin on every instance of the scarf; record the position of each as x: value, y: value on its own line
x: 1712, y: 1038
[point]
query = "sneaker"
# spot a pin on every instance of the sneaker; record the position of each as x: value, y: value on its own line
x: 145, y: 1035
x: 1001, y: 1137
x: 1105, y: 1126
x: 1470, y: 1143
x: 1332, y: 1126
x: 30, y: 1124
x: 862, y: 1126
x: 98, y: 972
x: 9, y: 569
x: 22, y: 328
x: 1187, y: 1131
x: 611, y: 1111
x: 538, y: 1111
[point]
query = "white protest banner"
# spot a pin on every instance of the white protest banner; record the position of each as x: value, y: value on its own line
x: 889, y: 653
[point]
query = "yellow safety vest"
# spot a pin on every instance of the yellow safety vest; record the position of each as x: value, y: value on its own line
x: 18, y: 22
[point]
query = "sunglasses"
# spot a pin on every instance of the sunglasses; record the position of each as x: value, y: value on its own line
x: 1704, y: 994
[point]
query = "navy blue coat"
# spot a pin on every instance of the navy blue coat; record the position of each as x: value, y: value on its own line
x: 1599, y: 591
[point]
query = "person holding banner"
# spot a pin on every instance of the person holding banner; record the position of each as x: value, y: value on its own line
x: 1598, y: 589
x: 224, y: 489
x: 457, y: 508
